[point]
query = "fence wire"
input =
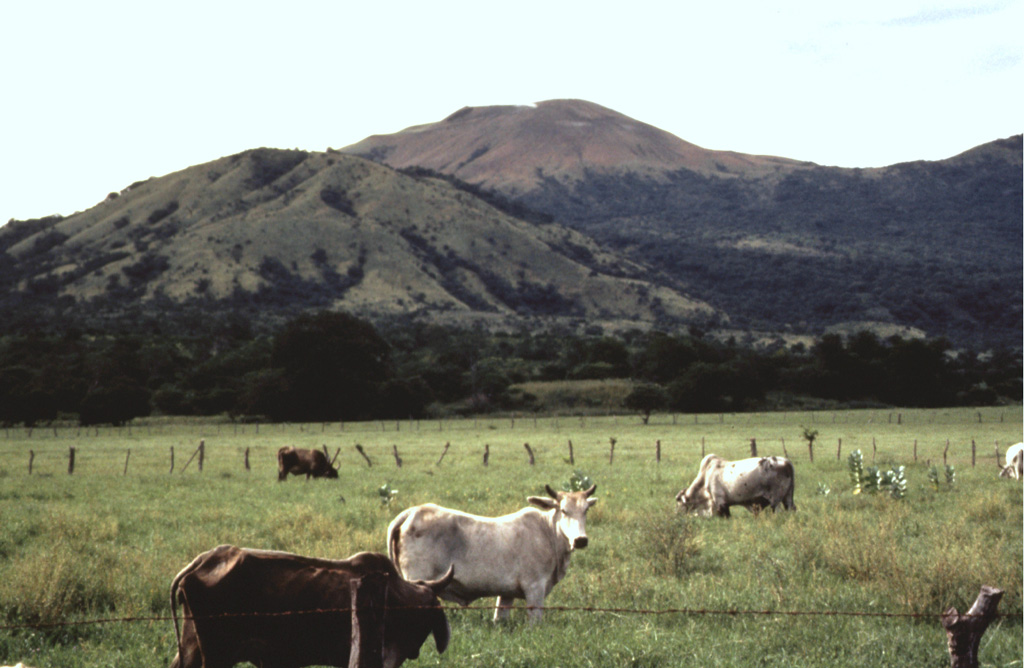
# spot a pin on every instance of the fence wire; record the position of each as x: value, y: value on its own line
x: 727, y: 612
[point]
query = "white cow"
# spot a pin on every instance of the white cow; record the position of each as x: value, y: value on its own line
x: 521, y: 555
x: 755, y: 483
x: 1014, y: 462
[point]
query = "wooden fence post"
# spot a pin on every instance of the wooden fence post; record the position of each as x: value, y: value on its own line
x: 839, y: 450
x: 31, y: 457
x: 611, y: 451
x: 172, y: 460
x: 572, y: 459
x: 974, y: 449
x: 126, y: 458
x: 487, y: 453
x: 202, y: 454
x: 915, y: 450
x: 367, y: 641
x: 529, y: 452
x: 398, y: 460
x: 964, y: 631
x: 784, y: 453
x: 443, y: 453
x: 247, y: 460
x: 944, y: 452
x: 657, y: 451
x: 71, y: 460
x: 365, y: 456
x: 753, y: 447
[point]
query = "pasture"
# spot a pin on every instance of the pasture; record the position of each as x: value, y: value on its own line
x: 846, y: 580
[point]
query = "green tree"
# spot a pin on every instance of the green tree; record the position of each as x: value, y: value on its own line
x: 645, y: 399
x: 332, y: 366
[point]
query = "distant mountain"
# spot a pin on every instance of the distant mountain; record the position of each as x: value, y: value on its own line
x: 778, y: 244
x: 289, y: 230
x: 515, y: 148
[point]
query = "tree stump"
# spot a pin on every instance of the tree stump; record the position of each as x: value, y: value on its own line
x: 964, y: 632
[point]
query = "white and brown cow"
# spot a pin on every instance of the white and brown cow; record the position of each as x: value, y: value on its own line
x: 1014, y: 462
x: 522, y: 555
x: 285, y: 610
x: 754, y: 483
x: 299, y: 461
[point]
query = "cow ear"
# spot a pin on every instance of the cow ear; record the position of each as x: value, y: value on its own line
x: 442, y: 630
x: 542, y: 502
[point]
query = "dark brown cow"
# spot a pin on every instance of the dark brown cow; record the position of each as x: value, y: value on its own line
x: 298, y: 461
x: 281, y: 610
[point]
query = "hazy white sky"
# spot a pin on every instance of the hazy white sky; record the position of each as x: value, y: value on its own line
x: 96, y: 95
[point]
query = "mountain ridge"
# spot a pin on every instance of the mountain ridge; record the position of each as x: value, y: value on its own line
x: 353, y: 234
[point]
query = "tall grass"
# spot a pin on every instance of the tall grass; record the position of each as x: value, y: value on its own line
x: 100, y: 544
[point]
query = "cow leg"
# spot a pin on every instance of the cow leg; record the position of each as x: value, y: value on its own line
x: 535, y: 602
x: 502, y: 608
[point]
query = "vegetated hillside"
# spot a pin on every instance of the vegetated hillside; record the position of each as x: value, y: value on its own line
x: 289, y: 230
x: 778, y: 244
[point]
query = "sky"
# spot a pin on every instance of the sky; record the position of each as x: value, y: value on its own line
x: 97, y: 95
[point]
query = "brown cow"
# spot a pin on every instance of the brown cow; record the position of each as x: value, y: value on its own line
x: 300, y: 460
x: 281, y: 610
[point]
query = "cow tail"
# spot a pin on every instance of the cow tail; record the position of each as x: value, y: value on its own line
x: 175, y: 590
x: 789, y: 505
x: 395, y: 536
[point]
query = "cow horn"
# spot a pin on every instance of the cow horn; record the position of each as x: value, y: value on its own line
x: 552, y: 493
x: 593, y: 488
x: 437, y: 586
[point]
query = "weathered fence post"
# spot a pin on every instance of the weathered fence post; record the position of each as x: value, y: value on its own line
x: 247, y: 460
x: 915, y: 450
x: 944, y: 452
x: 487, y: 453
x: 398, y: 459
x: 839, y: 450
x: 784, y: 453
x: 657, y: 451
x: 172, y: 460
x: 974, y: 449
x: 443, y: 453
x: 874, y: 449
x: 126, y: 458
x: 31, y: 457
x: 572, y: 459
x: 367, y: 646
x: 753, y: 447
x: 611, y: 451
x: 202, y: 454
x: 964, y: 631
x: 529, y: 452
x: 71, y: 460
x: 365, y: 456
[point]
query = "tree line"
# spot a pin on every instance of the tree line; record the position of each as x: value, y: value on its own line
x: 331, y: 366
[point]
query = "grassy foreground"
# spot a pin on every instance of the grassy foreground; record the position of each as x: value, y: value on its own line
x: 103, y: 543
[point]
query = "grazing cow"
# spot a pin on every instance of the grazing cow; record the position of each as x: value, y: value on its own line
x: 300, y: 460
x: 521, y: 555
x: 284, y: 610
x: 1014, y: 462
x: 755, y: 483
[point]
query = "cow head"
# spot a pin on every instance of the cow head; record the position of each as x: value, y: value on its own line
x: 415, y: 613
x: 694, y: 501
x: 570, y: 513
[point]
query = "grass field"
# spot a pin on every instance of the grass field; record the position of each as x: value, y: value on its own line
x: 872, y: 573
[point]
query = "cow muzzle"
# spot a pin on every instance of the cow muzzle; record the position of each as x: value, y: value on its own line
x: 580, y: 542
